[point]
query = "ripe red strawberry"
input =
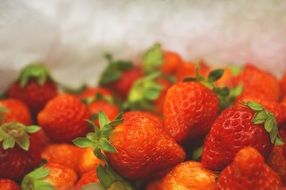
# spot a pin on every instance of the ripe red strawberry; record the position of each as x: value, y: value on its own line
x: 50, y: 176
x: 63, y: 154
x: 284, y: 101
x: 64, y: 118
x: 93, y: 91
x: 34, y: 87
x: 120, y: 76
x: 171, y: 62
x: 283, y: 85
x: 140, y: 136
x: 159, y: 102
x: 236, y: 128
x: 87, y: 178
x: 248, y: 171
x: 19, y: 152
x: 7, y: 184
x: 230, y: 72
x: 189, y: 110
x: 277, y: 162
x: 188, y: 69
x: 87, y: 161
x: 257, y: 82
x: 110, y: 109
x: 14, y: 110
x: 189, y: 175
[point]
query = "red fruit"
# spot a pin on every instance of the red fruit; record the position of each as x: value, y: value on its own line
x: 87, y: 161
x: 18, y: 159
x: 57, y: 176
x: 277, y: 162
x: 14, y: 110
x: 64, y: 118
x: 34, y: 87
x: 189, y: 175
x: 7, y: 184
x: 189, y: 70
x: 248, y: 171
x: 165, y: 84
x: 171, y: 62
x: 111, y: 110
x: 142, y: 147
x: 92, y: 92
x: 233, y: 130
x: 283, y: 85
x: 189, y: 110
x: 284, y: 101
x: 257, y: 82
x: 63, y: 154
x: 88, y: 177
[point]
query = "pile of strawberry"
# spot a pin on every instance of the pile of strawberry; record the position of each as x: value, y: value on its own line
x: 161, y: 124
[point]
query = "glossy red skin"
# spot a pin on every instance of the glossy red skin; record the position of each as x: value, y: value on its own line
x: 33, y: 95
x: 232, y: 131
x: 248, y: 171
x: 7, y: 184
x: 189, y: 110
x: 277, y: 162
x: 283, y: 85
x: 122, y: 86
x: 64, y: 118
x: 257, y: 82
x: 143, y: 148
x: 91, y: 92
x: 16, y: 111
x: 16, y: 162
x: 171, y: 63
x: 188, y: 69
x: 88, y: 177
x: 109, y: 109
x: 161, y: 99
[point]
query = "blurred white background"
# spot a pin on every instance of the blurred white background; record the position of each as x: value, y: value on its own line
x: 71, y: 35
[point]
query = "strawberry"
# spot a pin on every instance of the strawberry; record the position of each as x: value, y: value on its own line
x: 139, y: 136
x: 189, y: 175
x: 34, y: 87
x: 283, y: 85
x: 156, y: 58
x: 63, y: 118
x: 19, y: 151
x: 87, y: 161
x: 93, y: 91
x: 63, y: 154
x: 188, y: 69
x: 14, y: 110
x: 7, y: 184
x: 159, y: 102
x: 277, y: 162
x: 87, y: 178
x: 189, y: 110
x: 257, y: 82
x: 248, y: 171
x: 120, y: 76
x: 230, y: 72
x: 236, y: 128
x: 50, y: 176
x: 284, y: 101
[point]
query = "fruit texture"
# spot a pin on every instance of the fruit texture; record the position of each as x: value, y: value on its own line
x: 7, y: 184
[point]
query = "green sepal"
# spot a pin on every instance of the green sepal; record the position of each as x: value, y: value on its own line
x: 3, y: 110
x: 215, y: 75
x: 235, y: 69
x: 35, y: 180
x: 197, y: 153
x: 16, y: 133
x: 92, y: 186
x: 153, y: 58
x: 144, y: 92
x: 263, y: 116
x: 36, y: 71
x: 114, y: 70
x: 98, y: 97
x: 99, y: 138
x: 72, y: 90
x: 110, y: 180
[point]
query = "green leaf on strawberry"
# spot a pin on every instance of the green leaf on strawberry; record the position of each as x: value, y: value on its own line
x: 35, y: 180
x: 144, y: 92
x: 114, y: 70
x: 92, y: 186
x: 34, y: 71
x: 98, y: 97
x: 153, y: 58
x: 16, y: 133
x: 263, y: 116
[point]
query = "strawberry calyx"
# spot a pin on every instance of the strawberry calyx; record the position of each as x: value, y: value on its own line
x: 263, y: 116
x: 235, y: 69
x: 34, y: 71
x: 114, y: 70
x: 197, y: 153
x: 153, y: 58
x: 226, y: 95
x: 98, y: 97
x: 35, y: 180
x: 3, y: 110
x: 16, y: 133
x: 144, y: 92
x: 99, y: 141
